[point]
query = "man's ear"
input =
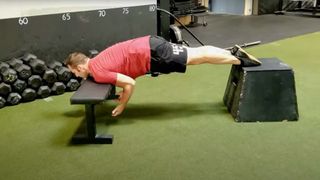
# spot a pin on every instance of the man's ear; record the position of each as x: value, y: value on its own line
x: 79, y: 67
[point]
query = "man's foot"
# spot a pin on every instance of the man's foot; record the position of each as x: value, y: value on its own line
x: 245, y: 58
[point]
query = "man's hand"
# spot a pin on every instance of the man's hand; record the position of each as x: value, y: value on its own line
x: 118, y: 110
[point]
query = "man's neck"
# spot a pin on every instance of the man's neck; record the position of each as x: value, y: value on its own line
x: 87, y: 66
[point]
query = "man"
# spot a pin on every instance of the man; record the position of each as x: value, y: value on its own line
x: 123, y: 62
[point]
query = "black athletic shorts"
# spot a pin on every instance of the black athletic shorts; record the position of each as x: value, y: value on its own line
x: 167, y: 57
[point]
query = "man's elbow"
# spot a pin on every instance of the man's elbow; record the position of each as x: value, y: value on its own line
x: 130, y: 84
x: 133, y: 82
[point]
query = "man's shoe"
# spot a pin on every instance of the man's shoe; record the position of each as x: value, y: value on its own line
x: 245, y: 58
x: 234, y: 49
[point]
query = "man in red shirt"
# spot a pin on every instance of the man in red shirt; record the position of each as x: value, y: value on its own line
x: 123, y: 62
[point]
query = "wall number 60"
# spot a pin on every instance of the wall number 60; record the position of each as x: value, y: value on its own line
x: 23, y: 21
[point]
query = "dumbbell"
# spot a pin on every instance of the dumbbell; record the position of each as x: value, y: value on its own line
x: 15, y: 62
x: 58, y: 88
x: 35, y: 81
x: 93, y: 53
x: 64, y: 74
x: 8, y: 75
x: 19, y: 85
x: 55, y: 65
x: 27, y: 57
x: 73, y: 85
x: 49, y: 76
x: 28, y: 95
x: 44, y: 91
x: 2, y: 102
x: 4, y: 66
x: 24, y: 71
x: 13, y: 98
x: 5, y: 89
x: 38, y: 66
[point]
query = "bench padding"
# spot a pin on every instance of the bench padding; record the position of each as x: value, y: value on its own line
x: 91, y: 92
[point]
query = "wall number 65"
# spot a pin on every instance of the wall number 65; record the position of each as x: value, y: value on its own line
x: 66, y: 17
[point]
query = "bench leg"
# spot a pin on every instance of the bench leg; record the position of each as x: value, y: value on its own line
x: 90, y: 137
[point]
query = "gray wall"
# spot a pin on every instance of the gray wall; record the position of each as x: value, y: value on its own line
x: 228, y: 6
x: 20, y: 8
x: 52, y: 36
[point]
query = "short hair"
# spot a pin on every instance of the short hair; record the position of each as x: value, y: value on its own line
x: 75, y: 59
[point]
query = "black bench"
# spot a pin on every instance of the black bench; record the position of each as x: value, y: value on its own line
x: 90, y: 94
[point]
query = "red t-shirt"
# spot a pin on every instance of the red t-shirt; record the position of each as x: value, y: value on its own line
x: 131, y: 58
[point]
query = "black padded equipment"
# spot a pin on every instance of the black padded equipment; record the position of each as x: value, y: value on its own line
x: 90, y: 94
x: 262, y: 93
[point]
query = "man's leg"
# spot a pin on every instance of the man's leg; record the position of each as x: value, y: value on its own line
x: 215, y: 55
x: 211, y: 55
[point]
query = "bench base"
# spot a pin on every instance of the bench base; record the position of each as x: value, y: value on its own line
x: 98, y: 139
x: 86, y: 133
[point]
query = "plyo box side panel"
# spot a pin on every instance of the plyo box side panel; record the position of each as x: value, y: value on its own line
x: 268, y: 96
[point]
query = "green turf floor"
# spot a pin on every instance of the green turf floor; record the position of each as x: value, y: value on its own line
x: 175, y: 127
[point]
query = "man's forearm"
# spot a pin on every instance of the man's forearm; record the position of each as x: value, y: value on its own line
x: 126, y: 95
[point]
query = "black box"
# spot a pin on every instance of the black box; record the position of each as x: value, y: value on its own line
x: 262, y: 93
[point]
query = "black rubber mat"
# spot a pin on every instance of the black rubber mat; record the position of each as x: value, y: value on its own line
x: 227, y: 30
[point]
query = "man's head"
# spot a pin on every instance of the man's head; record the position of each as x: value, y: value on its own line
x: 78, y: 64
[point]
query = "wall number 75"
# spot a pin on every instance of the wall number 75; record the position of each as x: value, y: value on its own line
x: 125, y: 10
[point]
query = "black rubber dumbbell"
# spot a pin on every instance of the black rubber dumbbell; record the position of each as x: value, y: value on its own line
x: 27, y: 57
x: 58, y: 88
x: 13, y: 98
x: 5, y: 89
x: 15, y: 62
x: 19, y: 85
x: 38, y: 66
x: 93, y: 53
x: 35, y: 81
x: 28, y: 95
x: 55, y: 65
x: 49, y: 76
x: 44, y: 91
x: 4, y: 66
x: 64, y: 74
x: 2, y: 102
x: 24, y: 71
x: 73, y: 85
x: 9, y: 75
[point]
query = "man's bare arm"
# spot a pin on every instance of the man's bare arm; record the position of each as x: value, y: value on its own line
x: 127, y: 84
